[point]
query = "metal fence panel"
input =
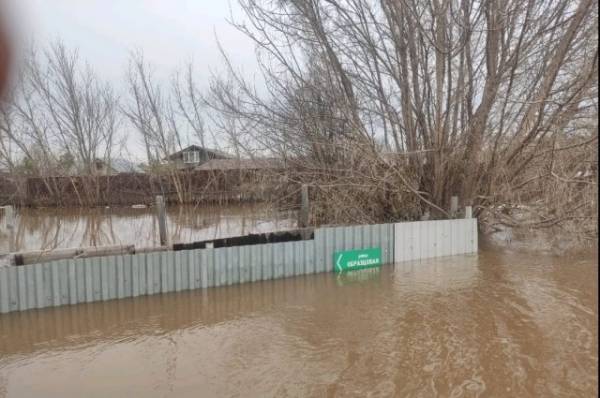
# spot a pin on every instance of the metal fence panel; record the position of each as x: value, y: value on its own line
x: 13, y: 290
x: 233, y: 264
x: 127, y: 276
x: 243, y: 274
x: 256, y: 263
x: 4, y: 293
x: 199, y: 257
x: 63, y: 278
x: 40, y: 298
x: 267, y: 262
x: 54, y: 285
x: 427, y: 239
x: 209, y: 264
x: 278, y: 270
x: 85, y: 280
x: 474, y: 236
x: 330, y: 240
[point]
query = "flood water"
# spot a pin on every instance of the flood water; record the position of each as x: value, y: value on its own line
x: 497, y: 324
x: 45, y: 229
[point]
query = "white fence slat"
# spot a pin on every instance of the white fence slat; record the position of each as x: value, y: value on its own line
x: 120, y: 273
x: 244, y: 253
x: 54, y: 283
x: 178, y: 268
x: 267, y: 262
x: 13, y: 289
x: 40, y: 297
x: 127, y: 276
x: 164, y: 273
x: 30, y: 286
x: 72, y: 285
x: 256, y: 263
x: 4, y: 294
x: 96, y: 267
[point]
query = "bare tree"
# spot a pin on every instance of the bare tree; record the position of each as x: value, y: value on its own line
x: 417, y: 100
x: 81, y: 111
x: 188, y: 104
x: 149, y: 109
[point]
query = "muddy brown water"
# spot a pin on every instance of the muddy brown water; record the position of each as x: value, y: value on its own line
x: 496, y: 324
x: 50, y: 228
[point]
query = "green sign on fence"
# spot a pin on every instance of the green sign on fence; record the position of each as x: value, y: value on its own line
x: 357, y: 259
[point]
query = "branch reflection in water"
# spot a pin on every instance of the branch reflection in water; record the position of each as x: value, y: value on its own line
x: 47, y: 229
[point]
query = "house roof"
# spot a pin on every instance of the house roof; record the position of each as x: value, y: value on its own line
x: 244, y: 164
x: 215, y: 152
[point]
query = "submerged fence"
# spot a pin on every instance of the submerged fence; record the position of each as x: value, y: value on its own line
x: 104, y: 278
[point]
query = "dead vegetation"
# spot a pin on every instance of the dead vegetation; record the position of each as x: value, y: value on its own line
x: 390, y: 108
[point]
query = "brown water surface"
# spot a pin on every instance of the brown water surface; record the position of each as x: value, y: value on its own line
x: 498, y: 324
x: 50, y: 228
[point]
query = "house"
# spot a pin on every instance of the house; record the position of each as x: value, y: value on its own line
x: 194, y: 156
x: 242, y: 164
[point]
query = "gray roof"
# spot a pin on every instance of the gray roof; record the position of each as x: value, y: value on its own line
x: 214, y: 152
x: 244, y: 164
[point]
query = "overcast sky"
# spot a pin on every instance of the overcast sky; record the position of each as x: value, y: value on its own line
x: 170, y: 32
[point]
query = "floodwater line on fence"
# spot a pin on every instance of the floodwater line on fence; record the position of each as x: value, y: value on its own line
x: 85, y: 280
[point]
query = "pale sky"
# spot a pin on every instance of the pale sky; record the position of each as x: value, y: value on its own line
x: 170, y: 32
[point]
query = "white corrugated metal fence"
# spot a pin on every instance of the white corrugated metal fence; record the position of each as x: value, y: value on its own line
x: 105, y: 278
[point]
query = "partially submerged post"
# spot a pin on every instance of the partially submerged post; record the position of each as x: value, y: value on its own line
x: 304, y: 207
x: 162, y: 219
x: 468, y: 212
x: 453, y: 206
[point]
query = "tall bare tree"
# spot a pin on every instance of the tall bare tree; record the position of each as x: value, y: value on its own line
x: 149, y: 109
x: 59, y: 106
x: 188, y: 104
x: 81, y: 110
x: 421, y: 99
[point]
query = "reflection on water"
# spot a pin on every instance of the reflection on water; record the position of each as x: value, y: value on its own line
x: 497, y: 324
x: 65, y: 228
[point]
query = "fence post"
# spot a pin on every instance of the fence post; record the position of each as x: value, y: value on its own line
x: 162, y: 220
x: 9, y: 216
x: 304, y: 207
x: 468, y: 212
x: 453, y: 206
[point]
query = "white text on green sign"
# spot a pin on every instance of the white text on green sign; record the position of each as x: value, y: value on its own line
x: 357, y: 259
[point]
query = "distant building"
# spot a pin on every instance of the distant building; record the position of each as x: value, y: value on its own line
x: 194, y: 156
x: 242, y: 164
